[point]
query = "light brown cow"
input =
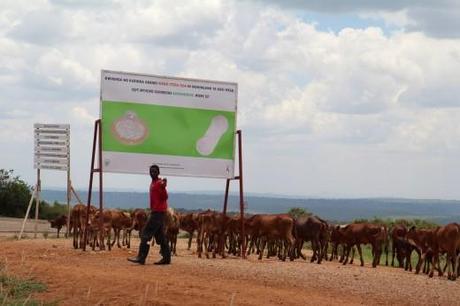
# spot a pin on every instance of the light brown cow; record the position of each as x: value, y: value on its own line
x: 100, y: 226
x: 273, y: 228
x: 189, y: 223
x: 121, y: 221
x: 78, y: 220
x: 211, y: 233
x: 362, y: 233
x: 139, y: 219
x: 172, y: 228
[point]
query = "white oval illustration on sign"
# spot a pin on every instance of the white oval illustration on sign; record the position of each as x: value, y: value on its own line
x: 129, y: 129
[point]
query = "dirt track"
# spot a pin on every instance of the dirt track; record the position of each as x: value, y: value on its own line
x: 107, y: 278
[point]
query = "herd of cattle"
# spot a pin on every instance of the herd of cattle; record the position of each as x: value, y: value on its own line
x: 277, y: 235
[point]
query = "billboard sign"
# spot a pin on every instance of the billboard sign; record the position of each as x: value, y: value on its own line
x: 186, y: 126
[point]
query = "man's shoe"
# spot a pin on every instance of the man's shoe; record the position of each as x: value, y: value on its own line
x: 163, y: 261
x: 138, y: 260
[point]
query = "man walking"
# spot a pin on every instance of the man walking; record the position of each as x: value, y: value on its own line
x: 155, y: 226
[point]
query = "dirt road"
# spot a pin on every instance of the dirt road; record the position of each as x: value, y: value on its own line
x: 107, y: 278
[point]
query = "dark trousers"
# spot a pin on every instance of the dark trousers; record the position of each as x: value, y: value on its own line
x: 155, y: 227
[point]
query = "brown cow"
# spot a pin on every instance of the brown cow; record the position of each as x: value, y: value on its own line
x: 58, y: 223
x: 189, y: 223
x: 423, y: 239
x: 314, y: 229
x: 211, y: 233
x: 139, y: 219
x: 404, y: 249
x: 446, y: 238
x: 363, y: 233
x: 172, y: 228
x: 398, y: 231
x: 98, y: 234
x: 338, y: 238
x: 78, y: 219
x: 121, y: 221
x: 271, y: 228
x: 234, y: 235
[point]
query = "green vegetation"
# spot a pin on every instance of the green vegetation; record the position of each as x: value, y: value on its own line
x: 419, y: 223
x: 49, y: 212
x: 15, y: 291
x: 297, y: 212
x: 15, y: 196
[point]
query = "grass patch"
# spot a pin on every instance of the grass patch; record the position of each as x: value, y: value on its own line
x: 15, y: 291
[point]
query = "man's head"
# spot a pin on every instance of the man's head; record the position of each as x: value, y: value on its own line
x: 154, y: 171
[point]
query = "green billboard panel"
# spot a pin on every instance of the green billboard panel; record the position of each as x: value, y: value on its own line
x: 185, y: 126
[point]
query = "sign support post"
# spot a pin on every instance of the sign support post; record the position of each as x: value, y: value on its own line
x: 37, y: 203
x: 97, y: 139
x: 240, y: 180
x: 32, y: 198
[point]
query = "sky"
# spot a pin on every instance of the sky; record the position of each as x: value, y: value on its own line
x: 336, y: 98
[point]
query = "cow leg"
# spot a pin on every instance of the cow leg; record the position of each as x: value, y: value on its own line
x: 118, y: 238
x: 334, y: 253
x: 452, y: 267
x: 377, y: 253
x: 353, y: 251
x: 325, y: 250
x: 319, y: 248
x: 313, y: 248
x: 286, y: 246
x: 198, y: 243
x: 175, y: 244
x: 358, y: 246
x: 434, y: 260
x: 346, y: 253
x: 343, y: 253
x: 262, y: 241
x: 299, y: 249
x: 109, y: 236
x: 112, y: 243
x: 75, y: 242
x: 270, y: 248
x: 190, y: 237
x: 207, y: 243
x: 215, y: 245
x: 420, y: 262
x: 393, y: 251
x: 386, y: 251
x: 94, y: 241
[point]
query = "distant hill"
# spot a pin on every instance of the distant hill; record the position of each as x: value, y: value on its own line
x: 344, y: 210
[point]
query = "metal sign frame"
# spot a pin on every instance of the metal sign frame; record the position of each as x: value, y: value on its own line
x: 97, y: 149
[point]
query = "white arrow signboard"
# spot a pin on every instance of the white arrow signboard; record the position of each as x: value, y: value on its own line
x: 52, y: 146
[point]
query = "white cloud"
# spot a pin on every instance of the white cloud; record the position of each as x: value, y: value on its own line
x: 381, y: 96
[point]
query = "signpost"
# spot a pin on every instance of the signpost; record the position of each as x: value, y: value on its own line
x: 51, y: 151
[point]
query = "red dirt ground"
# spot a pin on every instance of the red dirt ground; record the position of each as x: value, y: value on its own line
x: 75, y: 277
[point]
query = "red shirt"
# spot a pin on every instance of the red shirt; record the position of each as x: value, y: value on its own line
x: 158, y: 196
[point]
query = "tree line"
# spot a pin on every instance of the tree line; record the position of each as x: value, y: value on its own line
x: 15, y: 196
